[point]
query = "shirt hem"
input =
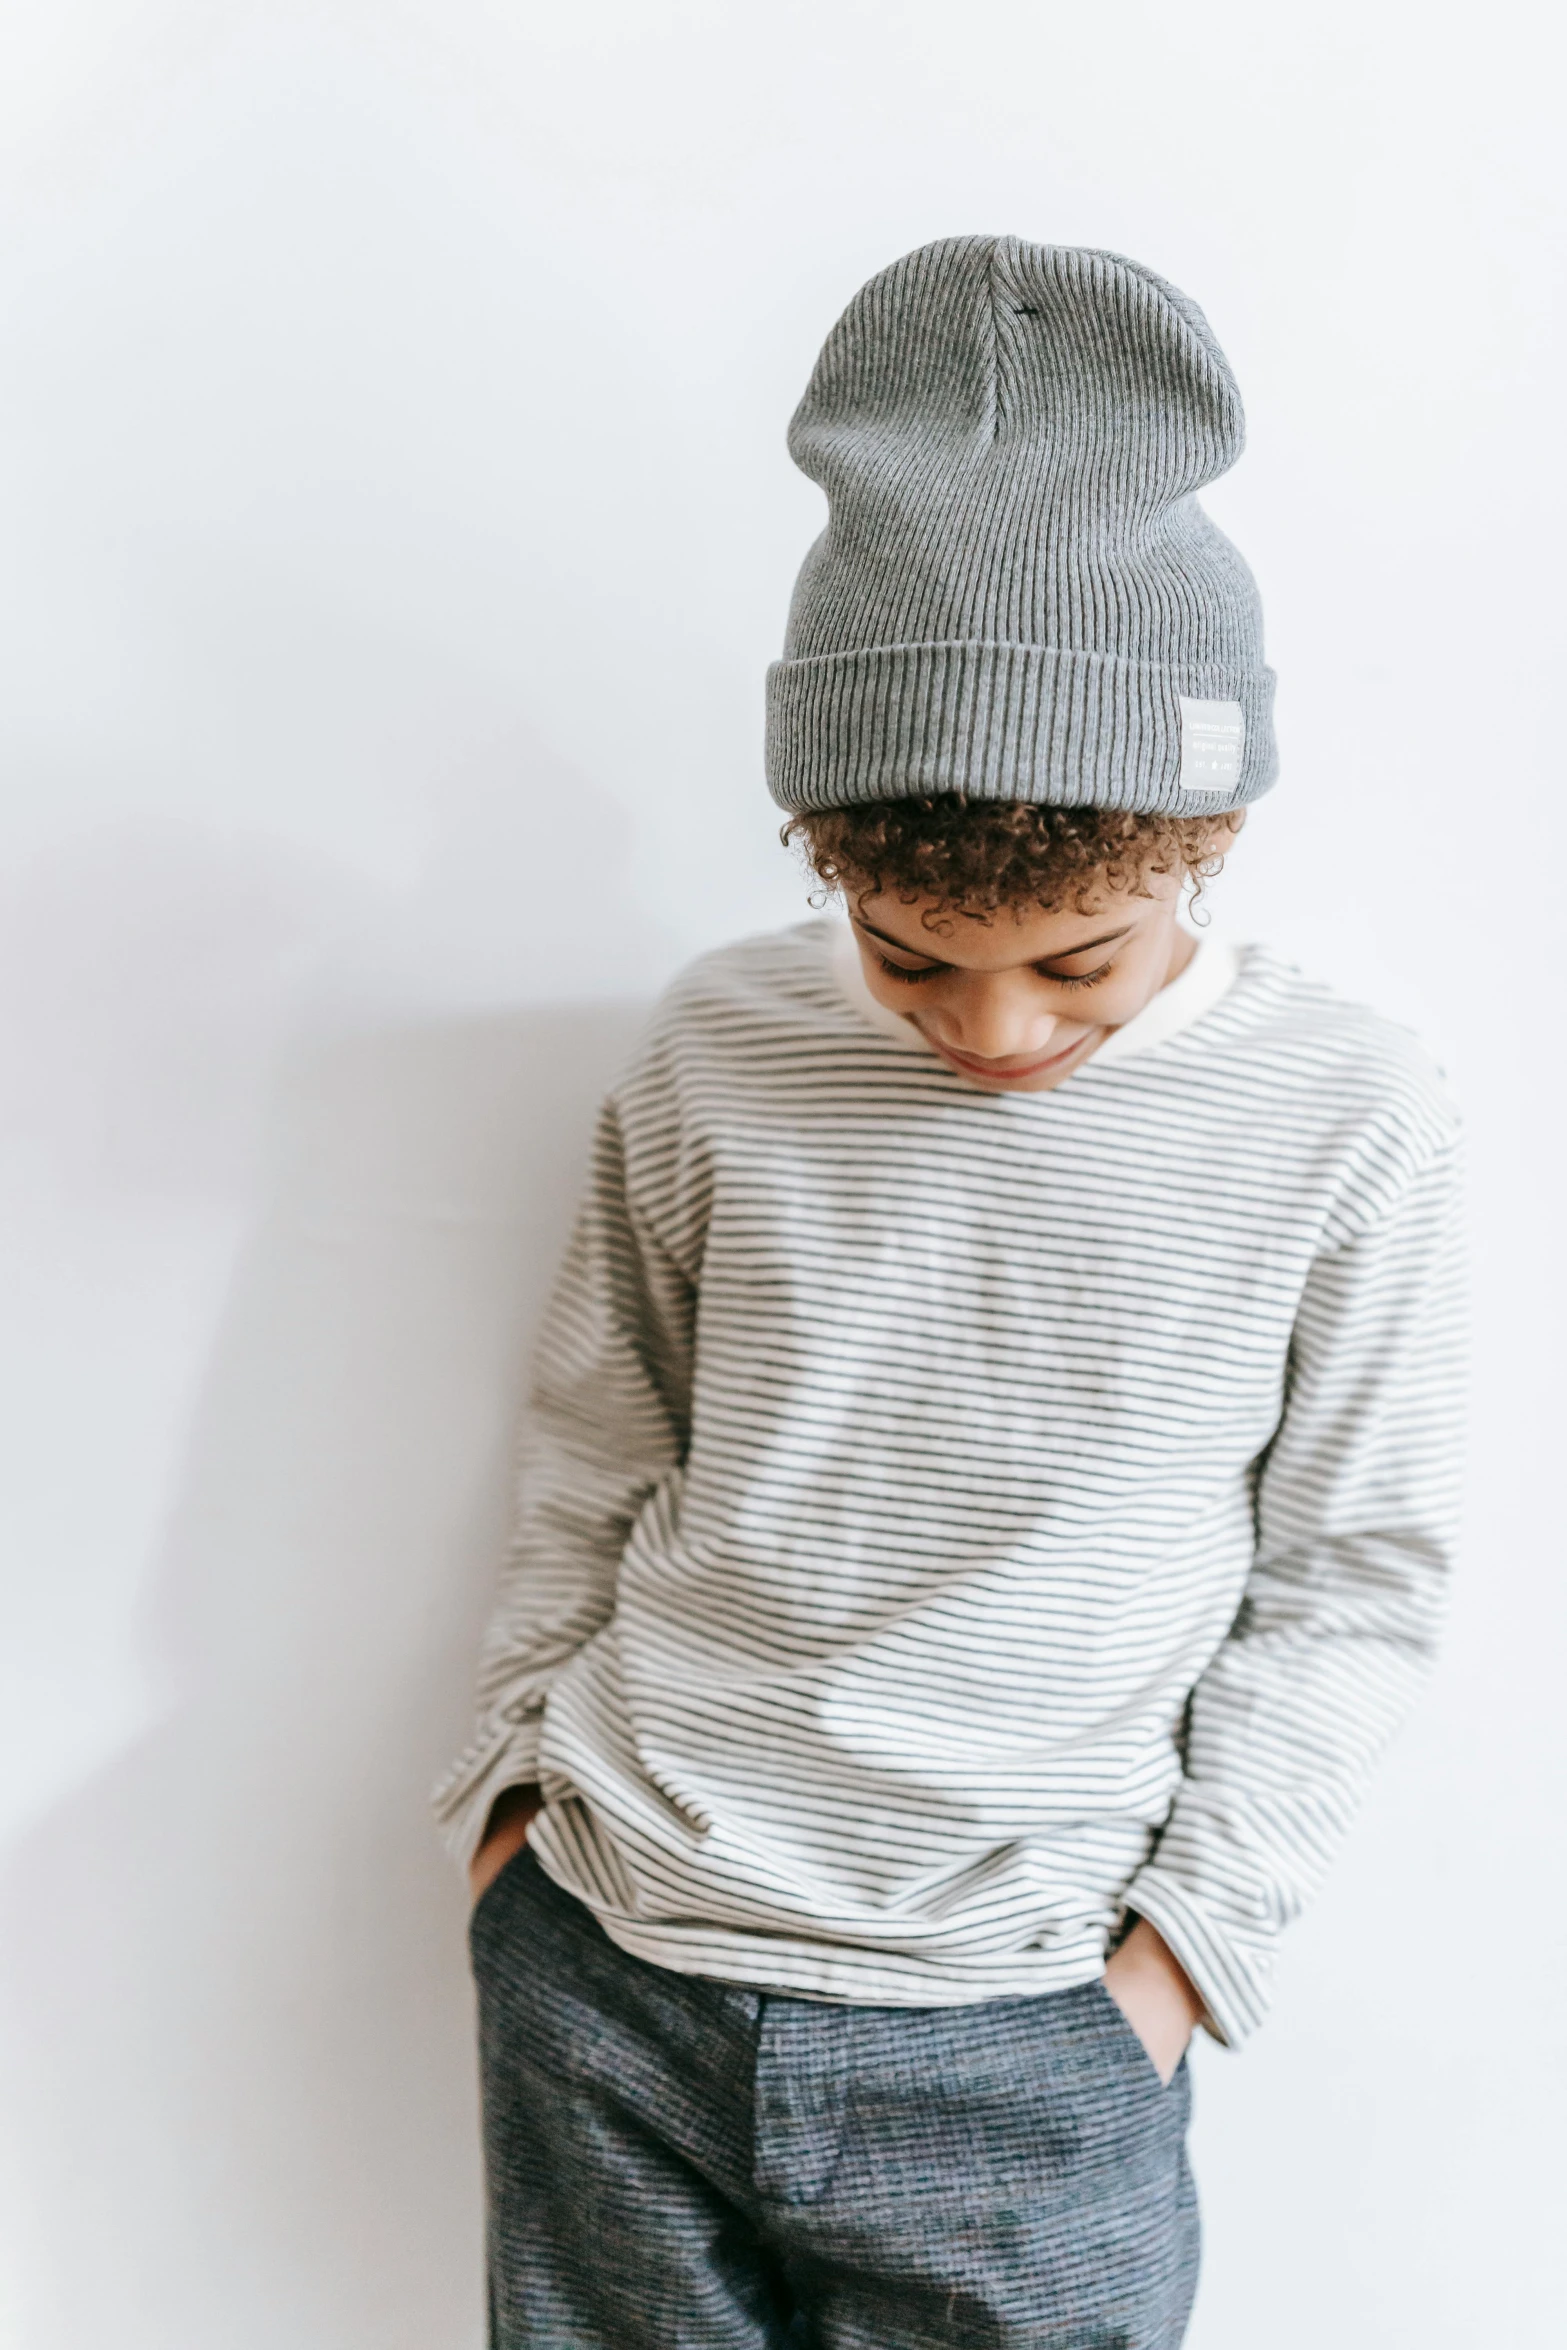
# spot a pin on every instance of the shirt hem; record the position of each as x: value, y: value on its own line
x: 845, y: 1976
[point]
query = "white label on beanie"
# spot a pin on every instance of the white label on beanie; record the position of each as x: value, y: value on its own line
x: 1213, y: 736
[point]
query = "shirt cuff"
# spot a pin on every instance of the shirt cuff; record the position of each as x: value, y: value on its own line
x: 1231, y: 1974
x: 504, y: 1755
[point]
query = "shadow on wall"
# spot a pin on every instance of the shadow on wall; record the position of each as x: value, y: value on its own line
x: 249, y: 2079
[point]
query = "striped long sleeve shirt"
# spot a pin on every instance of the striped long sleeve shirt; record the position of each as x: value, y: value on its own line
x: 951, y: 1522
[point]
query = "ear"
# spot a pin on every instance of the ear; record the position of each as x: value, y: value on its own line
x: 1226, y: 830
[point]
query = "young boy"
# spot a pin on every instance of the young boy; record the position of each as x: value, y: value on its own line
x: 991, y: 1468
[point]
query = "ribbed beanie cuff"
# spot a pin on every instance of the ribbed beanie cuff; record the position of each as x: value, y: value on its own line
x: 1004, y: 722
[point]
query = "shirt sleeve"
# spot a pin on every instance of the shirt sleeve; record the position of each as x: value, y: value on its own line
x: 1356, y: 1514
x: 607, y: 1418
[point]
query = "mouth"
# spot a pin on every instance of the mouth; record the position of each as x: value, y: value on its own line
x: 1009, y: 1072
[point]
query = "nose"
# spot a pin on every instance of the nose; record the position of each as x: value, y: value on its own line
x: 991, y: 1018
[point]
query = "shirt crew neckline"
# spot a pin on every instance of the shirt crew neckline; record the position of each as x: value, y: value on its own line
x: 1207, y: 978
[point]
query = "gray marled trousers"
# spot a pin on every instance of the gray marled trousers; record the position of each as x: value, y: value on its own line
x: 678, y: 2164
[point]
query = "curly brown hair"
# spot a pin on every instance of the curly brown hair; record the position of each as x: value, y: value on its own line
x: 975, y: 856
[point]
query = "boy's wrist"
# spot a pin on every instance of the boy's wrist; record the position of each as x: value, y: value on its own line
x: 1155, y: 1994
x: 505, y: 1832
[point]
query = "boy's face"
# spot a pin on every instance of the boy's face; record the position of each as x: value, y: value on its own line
x: 1018, y: 1003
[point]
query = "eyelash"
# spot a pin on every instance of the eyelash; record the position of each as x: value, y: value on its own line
x: 1056, y: 979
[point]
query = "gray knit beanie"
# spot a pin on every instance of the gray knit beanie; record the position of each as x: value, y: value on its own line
x: 1017, y: 594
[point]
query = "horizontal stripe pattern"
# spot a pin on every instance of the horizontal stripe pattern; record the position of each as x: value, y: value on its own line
x: 950, y: 1520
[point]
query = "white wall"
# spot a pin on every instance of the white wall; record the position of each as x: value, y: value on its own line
x: 396, y: 523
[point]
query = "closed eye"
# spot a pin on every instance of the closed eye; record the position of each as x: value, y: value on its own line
x: 1087, y: 979
x: 897, y: 971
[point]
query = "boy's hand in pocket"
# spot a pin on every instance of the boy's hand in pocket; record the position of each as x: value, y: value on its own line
x: 505, y: 1832
x: 1148, y: 1985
